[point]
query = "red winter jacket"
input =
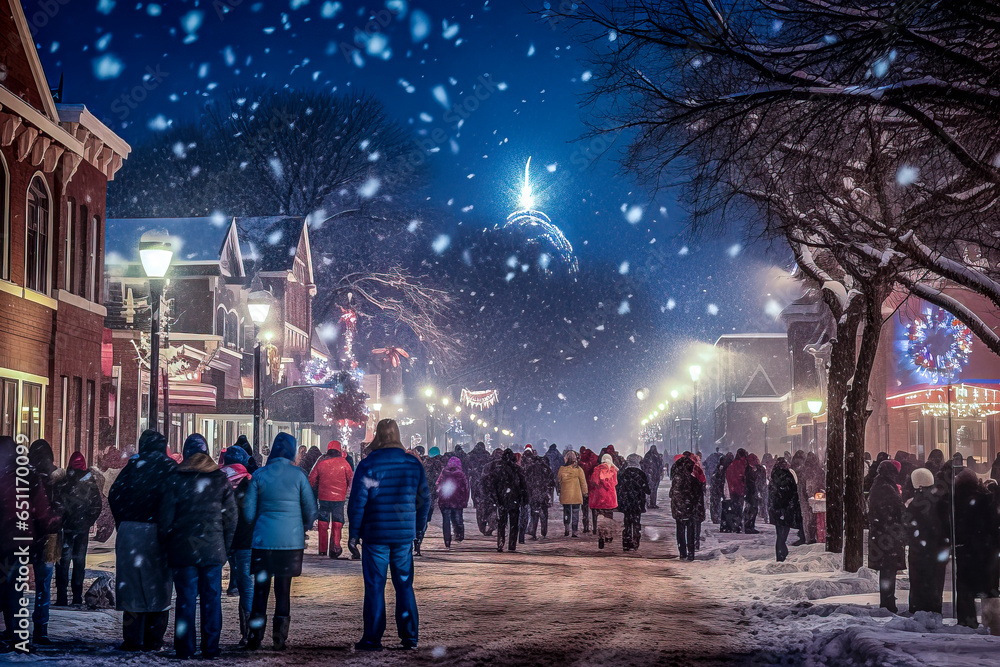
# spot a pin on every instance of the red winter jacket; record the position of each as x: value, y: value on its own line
x: 736, y: 476
x: 603, y: 488
x: 331, y: 477
x: 588, y: 461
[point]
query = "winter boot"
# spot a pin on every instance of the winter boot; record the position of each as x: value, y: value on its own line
x: 244, y: 628
x: 279, y: 632
x: 336, y: 551
x: 40, y: 637
x: 256, y: 634
x: 600, y: 543
x: 324, y: 538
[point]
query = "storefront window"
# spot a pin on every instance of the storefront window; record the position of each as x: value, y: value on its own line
x: 31, y: 411
x: 8, y: 407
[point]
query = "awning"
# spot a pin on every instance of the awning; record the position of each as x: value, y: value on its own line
x: 190, y: 394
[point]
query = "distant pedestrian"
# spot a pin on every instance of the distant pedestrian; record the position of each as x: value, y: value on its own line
x: 453, y: 497
x: 736, y: 474
x: 783, y: 506
x: 198, y: 518
x: 752, y: 481
x: 541, y: 484
x: 79, y: 502
x: 281, y: 506
x: 241, y: 548
x: 652, y: 465
x: 474, y: 470
x: 977, y: 552
x: 886, y: 535
x: 331, y: 479
x: 506, y: 487
x: 928, y: 528
x: 252, y: 463
x: 144, y: 581
x: 633, y: 492
x: 588, y: 461
x: 572, y: 489
x: 388, y: 510
x: 687, y: 505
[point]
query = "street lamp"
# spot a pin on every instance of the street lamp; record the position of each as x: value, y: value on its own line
x: 695, y: 372
x: 764, y: 420
x: 641, y: 394
x: 259, y: 305
x: 429, y: 392
x: 815, y: 406
x: 155, y: 253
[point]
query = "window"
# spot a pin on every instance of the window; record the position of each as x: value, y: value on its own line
x: 91, y: 263
x: 69, y: 279
x: 38, y: 225
x: 220, y: 322
x: 77, y: 404
x: 31, y: 410
x: 232, y: 329
x: 4, y: 224
x: 63, y: 419
x: 8, y: 407
x: 80, y: 253
x: 88, y: 436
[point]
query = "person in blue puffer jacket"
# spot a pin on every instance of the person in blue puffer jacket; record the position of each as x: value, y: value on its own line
x: 389, y: 507
x: 280, y: 505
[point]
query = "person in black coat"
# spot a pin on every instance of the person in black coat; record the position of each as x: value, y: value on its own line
x: 873, y: 470
x: 143, y: 578
x: 717, y: 488
x: 252, y: 463
x: 687, y: 505
x: 198, y: 518
x: 977, y: 552
x: 928, y: 527
x: 995, y: 470
x: 505, y: 487
x: 886, y: 534
x: 783, y: 506
x: 42, y: 461
x: 541, y: 485
x: 652, y: 465
x: 633, y: 492
x: 79, y: 502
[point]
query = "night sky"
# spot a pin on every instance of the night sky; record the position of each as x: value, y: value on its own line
x: 421, y: 58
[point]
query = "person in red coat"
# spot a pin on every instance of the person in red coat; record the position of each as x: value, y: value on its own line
x: 736, y: 475
x: 604, y: 494
x: 331, y: 479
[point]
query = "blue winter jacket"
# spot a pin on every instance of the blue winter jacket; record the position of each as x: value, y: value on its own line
x: 280, y: 505
x: 390, y: 499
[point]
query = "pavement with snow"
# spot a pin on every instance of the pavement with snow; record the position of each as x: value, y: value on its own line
x: 562, y: 601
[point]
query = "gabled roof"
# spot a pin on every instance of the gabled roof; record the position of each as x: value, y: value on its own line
x: 274, y: 241
x: 760, y: 385
x: 195, y: 240
x: 38, y: 94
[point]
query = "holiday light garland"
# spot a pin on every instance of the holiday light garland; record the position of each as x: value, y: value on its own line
x: 934, y: 329
x: 480, y: 400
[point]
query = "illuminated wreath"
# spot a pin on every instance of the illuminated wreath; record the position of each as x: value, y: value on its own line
x: 939, y: 345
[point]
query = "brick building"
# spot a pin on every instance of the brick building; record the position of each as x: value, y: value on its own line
x: 55, y: 163
x: 208, y: 334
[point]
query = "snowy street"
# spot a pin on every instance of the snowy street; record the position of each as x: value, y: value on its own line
x: 562, y: 601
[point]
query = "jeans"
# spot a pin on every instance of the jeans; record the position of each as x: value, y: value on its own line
x: 452, y: 518
x: 781, y: 542
x: 512, y: 517
x: 261, y: 592
x: 240, y: 559
x: 204, y: 585
x: 686, y: 537
x: 571, y: 512
x: 376, y: 559
x: 74, y: 551
x: 43, y: 589
x: 632, y: 531
x: 539, y: 512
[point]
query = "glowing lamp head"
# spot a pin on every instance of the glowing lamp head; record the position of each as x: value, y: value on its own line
x: 259, y: 305
x: 645, y: 421
x: 815, y: 406
x: 764, y: 420
x: 155, y: 252
x: 445, y: 401
x: 376, y: 407
x: 695, y: 372
x: 641, y: 394
x: 662, y: 407
x: 428, y: 392
x: 458, y: 409
x: 674, y: 393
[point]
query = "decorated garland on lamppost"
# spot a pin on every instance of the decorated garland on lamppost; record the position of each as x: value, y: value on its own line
x: 939, y: 345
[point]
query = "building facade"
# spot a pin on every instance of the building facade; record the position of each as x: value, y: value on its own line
x: 55, y: 164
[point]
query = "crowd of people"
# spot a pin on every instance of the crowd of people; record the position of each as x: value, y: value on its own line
x: 182, y: 517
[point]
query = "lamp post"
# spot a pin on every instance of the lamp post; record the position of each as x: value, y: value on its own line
x: 814, y: 407
x: 259, y: 305
x: 695, y: 372
x: 155, y: 253
x: 764, y: 420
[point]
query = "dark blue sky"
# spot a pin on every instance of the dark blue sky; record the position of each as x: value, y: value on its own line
x: 690, y: 289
